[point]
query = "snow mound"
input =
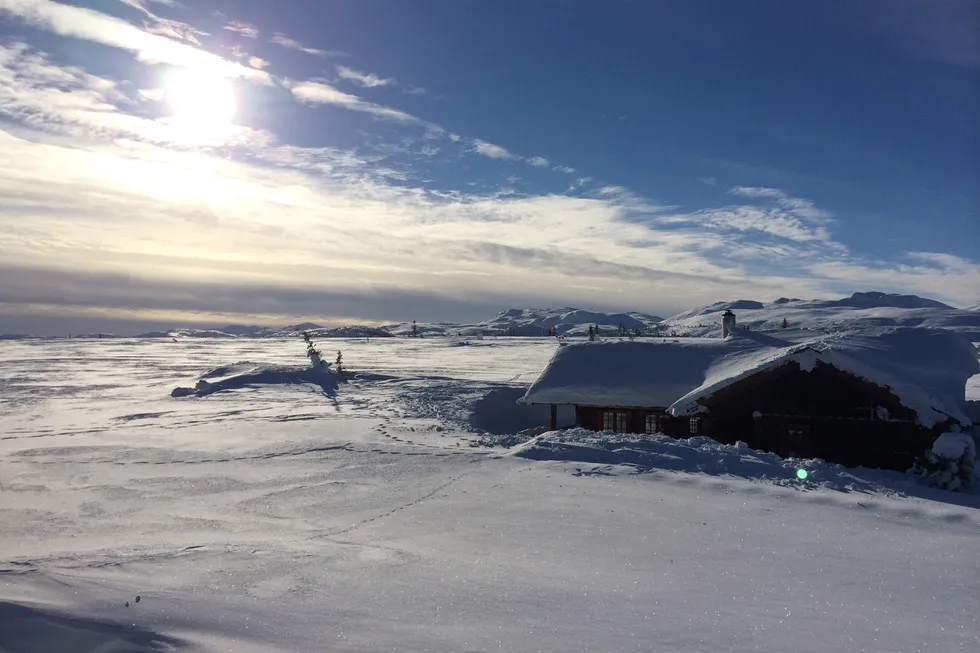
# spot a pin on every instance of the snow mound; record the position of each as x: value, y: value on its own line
x: 955, y: 445
x: 649, y: 453
x: 951, y: 465
x: 250, y: 375
x: 603, y: 452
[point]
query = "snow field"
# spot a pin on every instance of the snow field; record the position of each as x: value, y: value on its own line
x: 286, y: 518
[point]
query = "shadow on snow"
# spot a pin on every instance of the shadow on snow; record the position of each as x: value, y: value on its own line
x: 34, y: 630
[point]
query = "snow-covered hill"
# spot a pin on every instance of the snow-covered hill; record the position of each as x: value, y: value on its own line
x: 859, y: 311
x: 249, y: 331
x: 535, y: 322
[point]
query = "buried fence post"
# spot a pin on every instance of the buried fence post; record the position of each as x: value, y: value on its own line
x: 554, y: 417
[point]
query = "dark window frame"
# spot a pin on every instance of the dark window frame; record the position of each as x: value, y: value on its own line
x: 696, y: 425
x: 653, y: 423
x: 615, y: 420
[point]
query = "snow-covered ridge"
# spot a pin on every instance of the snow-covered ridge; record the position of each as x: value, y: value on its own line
x: 860, y: 311
x: 535, y: 322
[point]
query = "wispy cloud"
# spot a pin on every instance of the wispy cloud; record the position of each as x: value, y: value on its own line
x: 753, y: 219
x: 801, y: 208
x: 79, y: 22
x: 281, y: 39
x: 366, y: 80
x: 779, y: 216
x: 413, y: 90
x: 83, y: 153
x: 538, y: 161
x: 246, y: 30
x: 757, y: 192
x: 319, y: 92
x: 492, y: 151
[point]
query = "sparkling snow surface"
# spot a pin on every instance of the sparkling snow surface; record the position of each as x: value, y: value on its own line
x: 271, y: 515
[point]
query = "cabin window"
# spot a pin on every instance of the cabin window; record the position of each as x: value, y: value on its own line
x: 696, y: 425
x: 653, y: 423
x: 796, y: 431
x: 614, y: 420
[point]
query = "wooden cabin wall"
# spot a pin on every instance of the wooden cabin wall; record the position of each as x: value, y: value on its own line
x: 824, y: 413
x: 591, y: 418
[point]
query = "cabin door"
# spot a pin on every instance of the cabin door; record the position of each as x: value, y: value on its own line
x: 786, y: 436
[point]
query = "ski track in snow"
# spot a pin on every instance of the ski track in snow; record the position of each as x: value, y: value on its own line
x: 275, y: 518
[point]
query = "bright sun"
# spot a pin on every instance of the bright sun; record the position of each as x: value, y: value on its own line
x: 200, y: 100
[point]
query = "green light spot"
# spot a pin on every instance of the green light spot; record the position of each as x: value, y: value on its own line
x: 801, y: 474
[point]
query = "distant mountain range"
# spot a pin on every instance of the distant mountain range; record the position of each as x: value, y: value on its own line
x: 863, y: 309
x: 533, y: 322
x: 860, y: 310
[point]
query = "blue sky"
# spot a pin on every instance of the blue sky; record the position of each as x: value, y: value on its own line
x: 381, y: 160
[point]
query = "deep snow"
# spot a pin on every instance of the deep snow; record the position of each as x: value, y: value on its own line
x: 280, y: 517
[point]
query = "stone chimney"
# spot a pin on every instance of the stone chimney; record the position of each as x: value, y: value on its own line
x: 727, y: 323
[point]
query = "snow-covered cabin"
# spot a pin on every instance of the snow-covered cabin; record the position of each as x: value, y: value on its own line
x: 874, y: 398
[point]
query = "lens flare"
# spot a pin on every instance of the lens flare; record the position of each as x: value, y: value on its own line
x: 801, y: 474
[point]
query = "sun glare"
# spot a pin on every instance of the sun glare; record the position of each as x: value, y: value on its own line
x: 200, y: 100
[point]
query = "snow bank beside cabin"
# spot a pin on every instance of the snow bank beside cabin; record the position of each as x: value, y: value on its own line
x: 951, y: 464
x: 607, y: 453
x: 606, y: 450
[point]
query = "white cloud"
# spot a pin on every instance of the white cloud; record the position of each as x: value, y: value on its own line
x: 253, y: 218
x: 79, y: 22
x: 246, y: 30
x: 750, y: 218
x: 564, y: 169
x: 758, y: 192
x: 798, y: 207
x: 281, y: 39
x: 492, y: 151
x: 367, y: 80
x: 413, y: 90
x: 41, y: 95
x: 320, y: 92
x: 538, y: 161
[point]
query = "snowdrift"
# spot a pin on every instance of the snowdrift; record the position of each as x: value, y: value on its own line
x: 641, y: 453
x: 249, y: 375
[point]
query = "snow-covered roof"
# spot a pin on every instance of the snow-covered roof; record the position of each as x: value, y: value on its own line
x: 926, y: 369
